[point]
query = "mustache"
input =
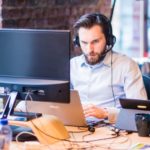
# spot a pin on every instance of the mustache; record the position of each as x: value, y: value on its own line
x: 90, y: 54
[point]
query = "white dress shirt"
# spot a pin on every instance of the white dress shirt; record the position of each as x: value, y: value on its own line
x: 115, y: 77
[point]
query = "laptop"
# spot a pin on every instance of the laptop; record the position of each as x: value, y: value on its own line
x: 70, y: 114
x: 130, y: 107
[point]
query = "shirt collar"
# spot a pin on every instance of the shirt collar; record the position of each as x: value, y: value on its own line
x: 106, y: 61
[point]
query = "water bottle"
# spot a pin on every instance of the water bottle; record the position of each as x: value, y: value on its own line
x: 5, y: 134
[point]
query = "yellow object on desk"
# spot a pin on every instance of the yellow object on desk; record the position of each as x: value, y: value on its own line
x: 140, y: 146
x: 48, y: 129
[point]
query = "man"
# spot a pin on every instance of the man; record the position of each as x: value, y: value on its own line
x: 100, y: 75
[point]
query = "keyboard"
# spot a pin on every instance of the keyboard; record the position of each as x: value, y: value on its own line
x: 26, y: 115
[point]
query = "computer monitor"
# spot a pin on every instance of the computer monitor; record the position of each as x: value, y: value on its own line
x: 35, y: 61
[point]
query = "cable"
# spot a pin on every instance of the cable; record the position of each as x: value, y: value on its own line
x: 114, y: 144
x: 31, y: 99
x: 112, y: 79
x: 87, y: 135
x: 23, y: 132
x: 112, y: 10
x: 72, y: 140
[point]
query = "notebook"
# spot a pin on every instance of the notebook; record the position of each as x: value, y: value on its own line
x: 130, y: 107
x: 70, y: 114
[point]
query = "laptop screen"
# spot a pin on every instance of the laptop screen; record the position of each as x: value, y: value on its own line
x: 135, y: 104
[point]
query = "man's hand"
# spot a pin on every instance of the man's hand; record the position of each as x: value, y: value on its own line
x: 95, y: 111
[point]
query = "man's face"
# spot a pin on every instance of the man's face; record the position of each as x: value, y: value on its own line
x: 93, y: 43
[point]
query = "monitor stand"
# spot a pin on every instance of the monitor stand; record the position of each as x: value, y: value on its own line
x: 9, y: 110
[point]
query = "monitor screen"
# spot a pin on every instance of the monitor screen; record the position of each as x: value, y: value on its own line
x: 36, y: 60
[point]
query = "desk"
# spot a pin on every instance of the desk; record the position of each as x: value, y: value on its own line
x: 123, y: 142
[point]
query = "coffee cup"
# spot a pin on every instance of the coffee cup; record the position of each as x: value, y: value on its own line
x: 142, y: 122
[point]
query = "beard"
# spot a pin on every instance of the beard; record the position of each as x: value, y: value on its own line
x: 93, y: 58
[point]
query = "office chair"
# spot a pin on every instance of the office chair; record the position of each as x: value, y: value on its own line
x: 146, y: 80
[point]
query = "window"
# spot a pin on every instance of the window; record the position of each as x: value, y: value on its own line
x: 128, y: 27
x: 147, y: 3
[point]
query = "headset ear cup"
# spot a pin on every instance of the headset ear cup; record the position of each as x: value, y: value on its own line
x: 111, y: 40
x: 76, y: 41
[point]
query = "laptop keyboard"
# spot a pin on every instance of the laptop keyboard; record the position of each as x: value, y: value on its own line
x: 92, y: 121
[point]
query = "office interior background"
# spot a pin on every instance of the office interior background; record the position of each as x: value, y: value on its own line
x: 130, y: 21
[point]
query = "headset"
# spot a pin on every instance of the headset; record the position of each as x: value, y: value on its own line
x: 96, y: 18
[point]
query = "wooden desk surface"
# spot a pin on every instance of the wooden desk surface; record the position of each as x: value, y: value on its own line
x: 96, y: 141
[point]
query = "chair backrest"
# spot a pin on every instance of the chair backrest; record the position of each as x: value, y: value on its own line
x: 146, y: 80
x: 145, y: 68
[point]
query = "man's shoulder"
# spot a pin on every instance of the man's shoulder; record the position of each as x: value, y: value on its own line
x: 123, y: 61
x: 122, y: 57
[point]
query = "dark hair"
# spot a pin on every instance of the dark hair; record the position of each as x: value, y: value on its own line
x: 91, y: 19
